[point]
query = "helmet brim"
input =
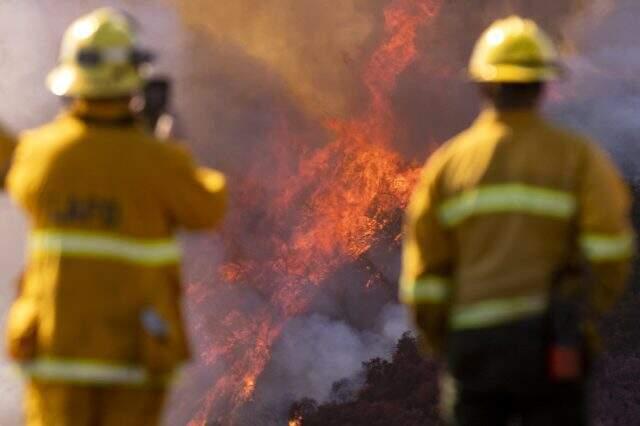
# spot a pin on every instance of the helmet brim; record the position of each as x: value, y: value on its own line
x: 70, y: 80
x: 515, y: 74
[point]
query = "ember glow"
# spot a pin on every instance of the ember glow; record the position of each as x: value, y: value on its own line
x: 326, y: 210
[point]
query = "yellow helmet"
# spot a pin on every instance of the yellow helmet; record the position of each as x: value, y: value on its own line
x: 98, y: 58
x: 514, y: 50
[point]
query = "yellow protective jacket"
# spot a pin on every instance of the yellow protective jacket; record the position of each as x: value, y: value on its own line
x: 499, y: 212
x: 100, y: 296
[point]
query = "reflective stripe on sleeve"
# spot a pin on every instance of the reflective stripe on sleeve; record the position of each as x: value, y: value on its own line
x: 496, y: 312
x: 607, y: 247
x: 432, y: 289
x: 103, y: 246
x: 513, y: 197
x: 82, y: 371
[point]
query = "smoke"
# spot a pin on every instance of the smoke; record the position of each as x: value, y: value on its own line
x: 314, y: 46
x: 601, y: 95
x: 315, y: 351
x: 321, y: 358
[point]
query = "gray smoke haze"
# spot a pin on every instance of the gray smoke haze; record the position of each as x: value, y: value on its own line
x: 602, y: 93
x: 321, y: 358
x: 316, y: 351
x: 313, y: 46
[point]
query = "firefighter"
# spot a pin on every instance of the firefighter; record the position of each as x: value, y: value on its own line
x: 97, y: 326
x: 500, y: 212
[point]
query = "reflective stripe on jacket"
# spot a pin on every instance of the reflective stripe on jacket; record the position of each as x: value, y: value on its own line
x: 84, y: 371
x: 97, y: 245
x: 498, y: 211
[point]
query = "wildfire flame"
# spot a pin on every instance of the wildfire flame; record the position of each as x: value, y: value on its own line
x: 328, y: 211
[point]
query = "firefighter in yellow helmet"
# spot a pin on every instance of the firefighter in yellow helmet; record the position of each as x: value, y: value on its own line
x: 504, y: 219
x: 97, y: 326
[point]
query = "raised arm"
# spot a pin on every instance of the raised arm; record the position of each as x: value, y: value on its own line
x: 195, y: 196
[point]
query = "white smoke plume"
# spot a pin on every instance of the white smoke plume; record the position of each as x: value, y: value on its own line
x: 315, y: 351
x: 321, y: 358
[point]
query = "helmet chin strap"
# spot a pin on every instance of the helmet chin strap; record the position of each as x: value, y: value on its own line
x: 103, y: 110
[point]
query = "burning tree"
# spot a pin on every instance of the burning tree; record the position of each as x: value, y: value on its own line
x: 325, y: 208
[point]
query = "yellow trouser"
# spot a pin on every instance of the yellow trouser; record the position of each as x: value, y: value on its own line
x: 63, y: 404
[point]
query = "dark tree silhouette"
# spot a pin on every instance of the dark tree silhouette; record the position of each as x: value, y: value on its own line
x: 402, y: 391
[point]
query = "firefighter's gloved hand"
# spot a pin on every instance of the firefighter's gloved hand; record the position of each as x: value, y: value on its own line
x: 157, y: 345
x: 154, y: 324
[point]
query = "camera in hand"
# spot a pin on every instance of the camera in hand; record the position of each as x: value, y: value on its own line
x: 155, y: 109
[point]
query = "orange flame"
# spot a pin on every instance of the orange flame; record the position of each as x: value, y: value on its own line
x: 345, y: 193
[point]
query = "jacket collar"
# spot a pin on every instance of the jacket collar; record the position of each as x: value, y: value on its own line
x: 106, y: 112
x: 515, y: 117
